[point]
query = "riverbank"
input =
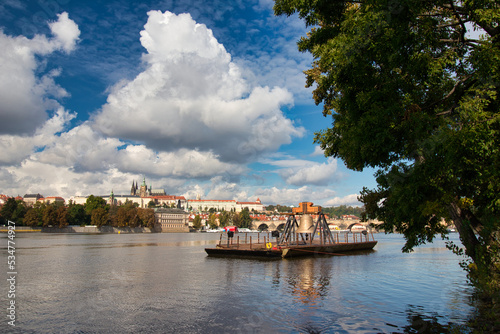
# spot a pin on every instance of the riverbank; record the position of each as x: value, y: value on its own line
x: 21, y: 229
x: 80, y: 229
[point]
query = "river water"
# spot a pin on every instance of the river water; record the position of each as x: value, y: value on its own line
x: 165, y: 283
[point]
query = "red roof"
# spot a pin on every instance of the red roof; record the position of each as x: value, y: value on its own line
x: 166, y: 197
x: 212, y: 200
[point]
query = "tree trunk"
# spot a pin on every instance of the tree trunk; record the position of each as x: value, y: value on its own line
x: 467, y: 235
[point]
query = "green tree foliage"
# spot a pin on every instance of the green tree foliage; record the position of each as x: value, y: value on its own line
x: 94, y: 202
x: 279, y: 208
x: 212, y: 221
x: 151, y: 204
x: 411, y: 93
x: 13, y: 210
x: 341, y: 210
x: 77, y: 215
x: 225, y: 218
x: 236, y: 219
x: 245, y: 219
x: 197, y: 222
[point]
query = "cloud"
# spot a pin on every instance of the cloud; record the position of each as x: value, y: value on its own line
x: 14, y: 148
x: 293, y: 196
x: 66, y: 32
x: 26, y: 96
x: 51, y: 180
x: 318, y: 151
x: 312, y: 173
x: 192, y: 96
x: 83, y: 149
x: 351, y: 200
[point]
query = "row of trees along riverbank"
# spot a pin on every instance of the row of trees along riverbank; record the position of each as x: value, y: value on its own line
x: 225, y: 218
x: 94, y: 212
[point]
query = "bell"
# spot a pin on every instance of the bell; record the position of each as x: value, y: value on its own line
x: 306, y: 225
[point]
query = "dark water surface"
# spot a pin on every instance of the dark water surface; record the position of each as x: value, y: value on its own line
x: 165, y: 283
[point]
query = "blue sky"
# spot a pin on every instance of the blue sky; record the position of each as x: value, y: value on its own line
x: 200, y: 97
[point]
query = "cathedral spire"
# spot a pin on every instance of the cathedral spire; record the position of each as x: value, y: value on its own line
x: 133, y: 190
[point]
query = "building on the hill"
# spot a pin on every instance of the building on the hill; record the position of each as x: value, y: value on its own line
x: 31, y: 199
x: 51, y: 200
x: 141, y: 196
x: 223, y: 205
x: 171, y: 220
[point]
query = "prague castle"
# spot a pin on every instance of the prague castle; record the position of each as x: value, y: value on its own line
x: 143, y: 195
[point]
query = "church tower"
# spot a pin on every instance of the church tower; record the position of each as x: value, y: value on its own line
x: 144, y: 188
x: 133, y: 190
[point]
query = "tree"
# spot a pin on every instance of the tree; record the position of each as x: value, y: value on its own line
x: 151, y: 204
x: 212, y: 221
x: 77, y: 215
x: 147, y: 217
x: 99, y: 217
x: 412, y: 94
x: 49, y: 216
x: 245, y: 219
x: 197, y: 222
x: 236, y: 219
x: 119, y: 218
x: 11, y: 212
x: 94, y: 202
x: 62, y: 216
x: 32, y: 217
x: 19, y: 212
x: 224, y: 218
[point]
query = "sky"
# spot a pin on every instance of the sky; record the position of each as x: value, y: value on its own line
x: 198, y: 97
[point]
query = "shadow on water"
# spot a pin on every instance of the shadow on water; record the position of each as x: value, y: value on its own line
x: 422, y: 323
x: 418, y: 323
x: 485, y: 321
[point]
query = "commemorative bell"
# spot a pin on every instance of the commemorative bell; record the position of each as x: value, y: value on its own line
x: 306, y: 225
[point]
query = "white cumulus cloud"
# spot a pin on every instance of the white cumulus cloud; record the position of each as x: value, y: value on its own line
x: 26, y: 96
x: 192, y: 96
x: 312, y: 173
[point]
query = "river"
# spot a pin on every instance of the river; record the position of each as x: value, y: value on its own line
x: 165, y: 283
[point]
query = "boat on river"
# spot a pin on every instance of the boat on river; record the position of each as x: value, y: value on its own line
x: 306, y: 239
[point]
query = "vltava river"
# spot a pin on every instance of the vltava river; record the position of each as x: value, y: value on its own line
x: 165, y: 283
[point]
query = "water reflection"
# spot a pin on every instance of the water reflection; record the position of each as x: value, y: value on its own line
x: 309, y: 280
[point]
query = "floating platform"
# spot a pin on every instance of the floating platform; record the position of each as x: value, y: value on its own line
x: 276, y: 251
x: 305, y: 240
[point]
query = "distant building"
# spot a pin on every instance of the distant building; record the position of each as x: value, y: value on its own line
x: 141, y: 196
x: 51, y: 200
x: 252, y: 206
x: 31, y: 199
x: 223, y: 205
x: 171, y: 220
